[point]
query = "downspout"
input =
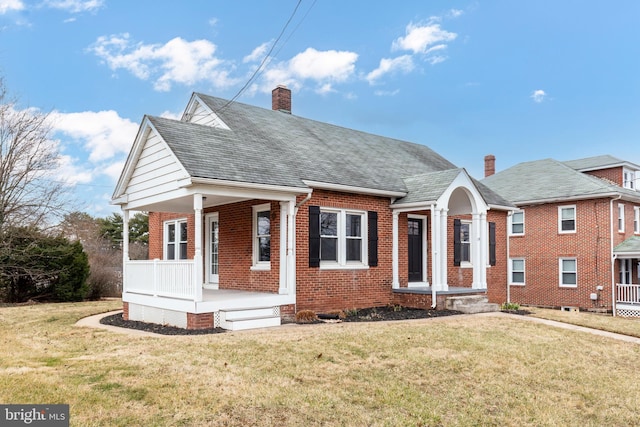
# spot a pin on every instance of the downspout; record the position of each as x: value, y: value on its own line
x: 509, y: 215
x: 613, y: 257
x: 302, y: 202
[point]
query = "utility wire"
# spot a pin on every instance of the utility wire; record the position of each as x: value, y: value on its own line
x: 255, y: 73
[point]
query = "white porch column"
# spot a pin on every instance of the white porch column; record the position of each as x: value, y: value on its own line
x: 395, y: 284
x: 125, y: 247
x: 435, y: 248
x: 291, y: 258
x: 197, y: 239
x: 443, y: 285
x: 481, y: 251
x: 283, y: 249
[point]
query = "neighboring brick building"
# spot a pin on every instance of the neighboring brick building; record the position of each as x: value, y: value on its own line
x: 576, y: 240
x: 256, y: 214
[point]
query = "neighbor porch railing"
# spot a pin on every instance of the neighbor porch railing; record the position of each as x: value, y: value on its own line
x: 628, y: 294
x: 174, y: 279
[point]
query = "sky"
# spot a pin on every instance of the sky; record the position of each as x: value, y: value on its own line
x: 522, y: 80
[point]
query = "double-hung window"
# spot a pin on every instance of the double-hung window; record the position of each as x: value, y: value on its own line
x: 567, y: 219
x: 342, y: 237
x: 621, y: 218
x: 636, y: 219
x: 568, y: 272
x: 517, y: 271
x: 175, y: 237
x: 262, y: 236
x: 628, y: 179
x: 517, y: 223
x: 465, y: 242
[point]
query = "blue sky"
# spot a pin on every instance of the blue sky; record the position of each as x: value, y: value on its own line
x: 522, y: 80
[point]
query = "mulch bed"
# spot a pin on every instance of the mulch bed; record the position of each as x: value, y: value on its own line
x: 520, y: 312
x: 374, y: 314
x: 117, y: 320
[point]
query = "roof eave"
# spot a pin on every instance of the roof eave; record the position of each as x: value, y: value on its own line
x: 353, y: 189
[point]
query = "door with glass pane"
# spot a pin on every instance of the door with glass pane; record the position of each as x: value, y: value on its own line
x: 213, y: 250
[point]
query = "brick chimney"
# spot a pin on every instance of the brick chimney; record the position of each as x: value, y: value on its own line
x: 489, y: 165
x: 281, y: 99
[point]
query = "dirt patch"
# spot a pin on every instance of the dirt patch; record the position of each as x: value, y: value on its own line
x: 375, y: 314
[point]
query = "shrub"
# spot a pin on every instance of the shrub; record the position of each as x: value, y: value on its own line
x: 508, y: 306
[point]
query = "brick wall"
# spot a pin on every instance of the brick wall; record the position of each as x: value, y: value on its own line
x: 199, y: 321
x: 542, y: 246
x: 610, y: 174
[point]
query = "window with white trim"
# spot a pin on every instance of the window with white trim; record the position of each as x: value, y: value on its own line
x: 568, y: 272
x: 628, y: 179
x: 342, y: 237
x: 262, y: 236
x: 620, y: 218
x: 175, y: 237
x: 516, y: 274
x: 517, y: 223
x: 465, y: 242
x: 636, y: 219
x: 566, y: 219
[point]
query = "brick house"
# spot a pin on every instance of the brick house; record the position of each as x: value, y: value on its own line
x: 575, y: 242
x: 255, y: 214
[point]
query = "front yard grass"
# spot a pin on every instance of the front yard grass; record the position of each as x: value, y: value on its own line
x: 605, y: 322
x: 457, y: 370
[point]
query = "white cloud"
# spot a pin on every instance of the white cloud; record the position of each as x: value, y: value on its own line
x: 9, y: 5
x: 71, y: 172
x: 322, y: 67
x: 103, y: 134
x: 177, y: 61
x: 258, y: 53
x: 419, y: 38
x: 75, y: 6
x: 538, y: 95
x: 386, y: 92
x: 402, y: 64
x: 114, y: 170
x: 454, y: 13
x: 171, y: 115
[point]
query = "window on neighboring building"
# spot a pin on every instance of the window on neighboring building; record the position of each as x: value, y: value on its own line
x: 567, y: 219
x: 621, y: 218
x: 175, y: 237
x: 625, y: 272
x: 517, y: 271
x: 636, y: 219
x: 517, y: 223
x: 341, y: 236
x: 628, y: 179
x: 568, y: 272
x: 262, y: 236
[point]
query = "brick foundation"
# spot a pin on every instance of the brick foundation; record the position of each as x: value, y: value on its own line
x: 125, y: 310
x: 288, y: 312
x: 199, y: 321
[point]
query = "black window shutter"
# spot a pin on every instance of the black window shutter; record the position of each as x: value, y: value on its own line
x: 457, y: 247
x: 492, y: 243
x: 372, y: 219
x: 314, y: 236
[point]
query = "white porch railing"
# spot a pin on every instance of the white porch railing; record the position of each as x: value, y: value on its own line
x: 174, y: 279
x: 628, y: 294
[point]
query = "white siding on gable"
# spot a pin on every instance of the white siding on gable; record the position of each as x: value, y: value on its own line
x: 157, y: 170
x: 202, y: 115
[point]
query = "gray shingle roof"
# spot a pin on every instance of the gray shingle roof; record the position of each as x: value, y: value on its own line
x: 631, y: 245
x: 598, y: 162
x: 271, y: 147
x: 550, y: 179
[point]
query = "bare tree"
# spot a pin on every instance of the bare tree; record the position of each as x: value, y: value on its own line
x: 28, y: 158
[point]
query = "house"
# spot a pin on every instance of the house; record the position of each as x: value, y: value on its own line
x: 575, y: 240
x: 255, y: 214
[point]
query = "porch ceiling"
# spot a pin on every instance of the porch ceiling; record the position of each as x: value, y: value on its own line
x: 184, y: 204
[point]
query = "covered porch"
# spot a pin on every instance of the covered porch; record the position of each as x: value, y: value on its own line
x: 627, y: 285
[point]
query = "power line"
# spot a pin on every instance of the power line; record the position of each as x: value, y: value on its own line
x: 264, y: 60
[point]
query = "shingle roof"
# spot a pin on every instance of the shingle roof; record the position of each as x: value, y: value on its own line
x: 271, y: 147
x: 631, y: 245
x: 550, y: 179
x: 598, y: 162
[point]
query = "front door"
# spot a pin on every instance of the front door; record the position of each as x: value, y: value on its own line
x: 415, y: 250
x: 212, y: 250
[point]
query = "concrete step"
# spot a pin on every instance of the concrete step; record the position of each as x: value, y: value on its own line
x: 471, y: 304
x: 248, y: 318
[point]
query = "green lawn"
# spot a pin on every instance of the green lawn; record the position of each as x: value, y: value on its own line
x: 458, y: 370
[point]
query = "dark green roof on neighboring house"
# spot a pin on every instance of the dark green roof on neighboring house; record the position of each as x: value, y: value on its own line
x: 629, y: 246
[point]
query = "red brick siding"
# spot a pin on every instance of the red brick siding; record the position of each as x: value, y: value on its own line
x: 497, y: 274
x: 542, y: 246
x: 610, y: 174
x: 125, y: 310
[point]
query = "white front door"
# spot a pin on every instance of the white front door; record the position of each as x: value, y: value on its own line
x: 212, y: 253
